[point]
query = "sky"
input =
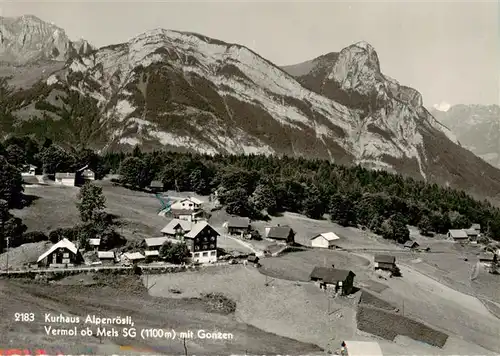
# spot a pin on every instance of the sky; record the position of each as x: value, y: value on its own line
x: 449, y: 51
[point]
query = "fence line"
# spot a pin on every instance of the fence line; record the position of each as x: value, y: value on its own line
x: 144, y: 268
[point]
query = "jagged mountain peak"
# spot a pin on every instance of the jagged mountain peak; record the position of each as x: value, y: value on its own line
x: 27, y: 39
x: 364, y: 45
x: 176, y: 36
x: 182, y: 90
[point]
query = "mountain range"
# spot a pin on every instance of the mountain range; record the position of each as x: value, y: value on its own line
x: 185, y: 91
x: 477, y: 128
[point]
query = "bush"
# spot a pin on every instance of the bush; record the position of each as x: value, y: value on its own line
x: 58, y: 234
x: 219, y: 303
x: 137, y: 270
x: 175, y: 253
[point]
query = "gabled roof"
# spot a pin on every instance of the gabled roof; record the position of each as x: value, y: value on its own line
x: 170, y: 227
x: 95, y: 242
x: 155, y: 241
x: 133, y: 255
x: 156, y: 184
x: 411, y: 243
x: 471, y: 232
x: 65, y: 175
x: 330, y: 275
x: 152, y: 253
x: 197, y: 228
x: 385, y: 259
x: 105, y: 254
x: 194, y: 200
x: 328, y: 236
x: 64, y: 243
x: 279, y: 232
x: 238, y: 222
x: 458, y: 233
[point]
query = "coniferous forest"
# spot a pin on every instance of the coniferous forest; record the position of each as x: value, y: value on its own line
x: 257, y: 185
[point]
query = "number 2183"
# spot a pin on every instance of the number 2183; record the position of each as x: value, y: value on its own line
x: 24, y: 317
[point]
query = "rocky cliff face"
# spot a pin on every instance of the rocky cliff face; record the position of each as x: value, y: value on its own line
x: 184, y: 91
x: 477, y: 128
x: 28, y: 39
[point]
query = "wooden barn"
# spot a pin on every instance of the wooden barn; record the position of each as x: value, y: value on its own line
x: 339, y: 280
x: 95, y: 244
x: 280, y: 233
x: 385, y: 262
x: 411, y: 244
x: 132, y: 257
x: 156, y: 186
x: 459, y: 235
x: 238, y: 226
x: 106, y: 257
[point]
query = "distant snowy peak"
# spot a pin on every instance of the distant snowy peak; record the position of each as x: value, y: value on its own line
x: 443, y: 106
x: 477, y: 127
x: 26, y: 39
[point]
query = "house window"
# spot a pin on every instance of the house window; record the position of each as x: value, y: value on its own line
x: 205, y: 254
x: 213, y: 253
x: 196, y: 254
x: 212, y: 246
x: 212, y: 238
x: 205, y: 239
x: 196, y: 248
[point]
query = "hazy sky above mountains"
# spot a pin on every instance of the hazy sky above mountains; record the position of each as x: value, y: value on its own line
x: 449, y: 51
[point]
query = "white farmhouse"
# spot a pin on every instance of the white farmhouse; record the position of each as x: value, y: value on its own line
x: 325, y: 240
x: 188, y: 203
x: 67, y: 179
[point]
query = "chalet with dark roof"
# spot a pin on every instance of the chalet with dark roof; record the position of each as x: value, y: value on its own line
x: 410, y: 244
x: 385, y: 262
x: 199, y: 236
x: 339, y: 280
x: 280, y: 233
x: 458, y: 234
x: 238, y: 226
x: 156, y: 186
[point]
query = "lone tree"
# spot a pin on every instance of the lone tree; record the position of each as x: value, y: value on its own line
x: 425, y: 226
x: 11, y: 183
x: 92, y: 202
x: 10, y: 227
x: 4, y: 215
x: 176, y: 253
